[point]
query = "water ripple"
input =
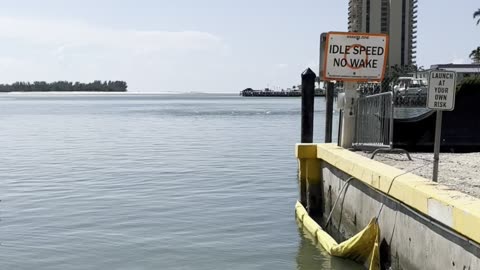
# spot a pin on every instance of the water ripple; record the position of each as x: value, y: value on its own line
x: 157, y: 182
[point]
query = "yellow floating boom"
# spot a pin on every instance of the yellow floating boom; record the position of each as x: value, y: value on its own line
x: 362, y: 247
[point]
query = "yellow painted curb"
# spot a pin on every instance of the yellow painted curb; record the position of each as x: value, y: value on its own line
x: 455, y: 209
x: 306, y: 150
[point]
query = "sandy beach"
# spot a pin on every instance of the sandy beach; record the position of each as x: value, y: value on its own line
x: 458, y: 171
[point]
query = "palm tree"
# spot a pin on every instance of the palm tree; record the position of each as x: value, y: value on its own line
x: 475, y: 55
x: 477, y: 14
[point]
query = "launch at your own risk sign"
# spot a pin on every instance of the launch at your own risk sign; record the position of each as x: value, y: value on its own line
x: 355, y: 56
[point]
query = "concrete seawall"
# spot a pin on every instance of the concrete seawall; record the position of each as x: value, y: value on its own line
x: 423, y: 225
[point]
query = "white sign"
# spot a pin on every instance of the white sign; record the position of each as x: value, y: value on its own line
x: 355, y: 56
x: 441, y: 90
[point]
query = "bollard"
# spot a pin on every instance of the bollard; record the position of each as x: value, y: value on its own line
x: 308, y: 99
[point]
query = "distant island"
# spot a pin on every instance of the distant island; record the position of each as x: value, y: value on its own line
x: 64, y: 86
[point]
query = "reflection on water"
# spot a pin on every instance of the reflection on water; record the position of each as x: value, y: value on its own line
x: 311, y: 255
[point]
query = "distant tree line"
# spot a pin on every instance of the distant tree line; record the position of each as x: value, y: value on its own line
x: 64, y: 86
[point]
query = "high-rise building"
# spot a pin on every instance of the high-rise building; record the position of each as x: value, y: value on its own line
x: 397, y: 18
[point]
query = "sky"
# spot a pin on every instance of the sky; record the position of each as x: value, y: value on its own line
x: 201, y: 46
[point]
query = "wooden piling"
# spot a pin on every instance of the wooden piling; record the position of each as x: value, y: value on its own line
x: 314, y: 187
x: 308, y: 100
x: 329, y: 112
x: 310, y: 178
x: 302, y: 181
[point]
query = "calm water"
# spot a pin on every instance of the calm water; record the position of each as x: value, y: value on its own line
x: 152, y: 182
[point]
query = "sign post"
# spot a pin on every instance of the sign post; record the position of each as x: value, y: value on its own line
x: 436, y: 150
x: 441, y: 97
x: 329, y: 90
x: 353, y: 58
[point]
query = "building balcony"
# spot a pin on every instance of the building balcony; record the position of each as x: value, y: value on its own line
x: 353, y: 14
x: 353, y: 5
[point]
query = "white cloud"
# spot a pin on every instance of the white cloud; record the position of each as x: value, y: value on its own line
x: 7, y: 63
x: 455, y: 59
x: 39, y: 49
x: 458, y: 60
x: 72, y: 34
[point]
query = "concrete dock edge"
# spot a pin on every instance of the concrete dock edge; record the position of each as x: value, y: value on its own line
x: 444, y: 219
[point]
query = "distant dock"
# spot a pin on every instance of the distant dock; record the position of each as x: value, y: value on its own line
x: 249, y: 92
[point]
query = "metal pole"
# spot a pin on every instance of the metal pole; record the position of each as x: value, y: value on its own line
x: 308, y: 100
x: 392, y: 111
x: 436, y: 155
x: 329, y: 113
x: 357, y: 123
x: 340, y: 120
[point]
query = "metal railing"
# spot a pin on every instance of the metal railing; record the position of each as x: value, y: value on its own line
x: 374, y: 117
x: 374, y: 122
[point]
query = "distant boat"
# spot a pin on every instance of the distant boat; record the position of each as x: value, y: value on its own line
x: 249, y: 92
